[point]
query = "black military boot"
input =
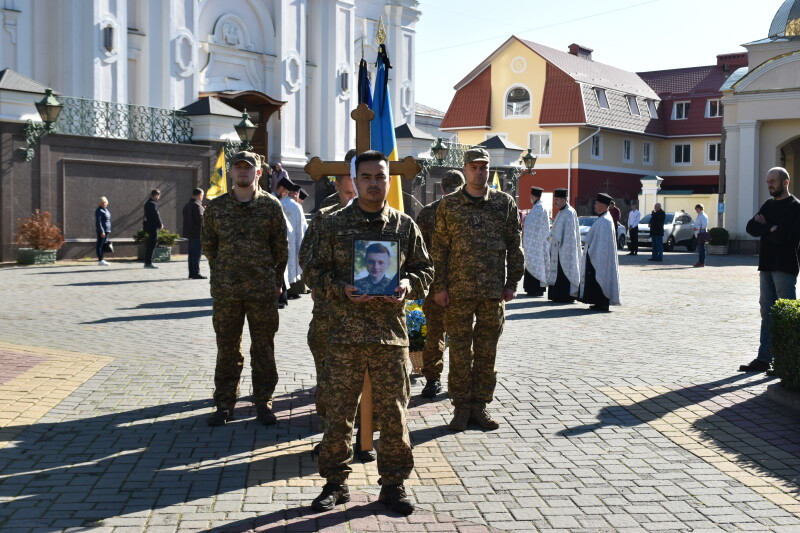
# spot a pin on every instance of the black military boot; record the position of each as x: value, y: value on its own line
x: 365, y: 456
x: 332, y: 494
x: 394, y: 497
x: 432, y: 387
x: 220, y: 417
x: 265, y: 415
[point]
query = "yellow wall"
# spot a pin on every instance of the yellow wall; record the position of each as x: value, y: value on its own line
x: 665, y: 155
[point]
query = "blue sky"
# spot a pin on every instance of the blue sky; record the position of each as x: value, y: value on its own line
x: 454, y: 36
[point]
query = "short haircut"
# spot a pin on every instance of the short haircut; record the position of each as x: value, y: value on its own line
x: 195, y: 192
x: 103, y: 199
x: 377, y: 248
x: 370, y: 155
x: 699, y: 206
x: 154, y: 192
x: 780, y: 171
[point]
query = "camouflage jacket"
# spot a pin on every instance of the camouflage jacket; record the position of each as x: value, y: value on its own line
x: 367, y: 286
x: 426, y: 220
x: 329, y: 201
x: 476, y: 246
x: 329, y: 268
x: 309, y: 239
x: 246, y: 246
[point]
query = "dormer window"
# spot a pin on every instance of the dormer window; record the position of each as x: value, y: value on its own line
x: 680, y: 111
x: 651, y: 105
x: 518, y: 102
x: 602, y: 100
x: 633, y: 105
x: 713, y: 108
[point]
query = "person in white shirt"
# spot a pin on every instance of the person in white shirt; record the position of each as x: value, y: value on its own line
x: 701, y: 232
x: 633, y: 229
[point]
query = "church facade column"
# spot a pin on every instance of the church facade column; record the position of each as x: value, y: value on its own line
x: 401, y: 18
x: 748, y: 178
x: 290, y: 145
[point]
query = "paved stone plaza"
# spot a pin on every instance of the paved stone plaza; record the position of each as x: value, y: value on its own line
x: 629, y: 421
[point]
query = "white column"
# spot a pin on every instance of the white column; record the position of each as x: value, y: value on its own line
x: 747, y: 197
x: 181, y: 52
x: 400, y: 43
x: 290, y: 83
x: 649, y: 196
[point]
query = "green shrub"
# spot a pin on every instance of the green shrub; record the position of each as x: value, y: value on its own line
x: 719, y: 236
x: 165, y: 238
x: 786, y: 342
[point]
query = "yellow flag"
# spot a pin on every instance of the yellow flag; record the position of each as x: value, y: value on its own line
x: 218, y: 184
x: 496, y: 182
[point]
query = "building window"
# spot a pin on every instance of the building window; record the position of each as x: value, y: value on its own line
x: 680, y: 111
x: 713, y: 108
x: 539, y: 143
x: 682, y: 154
x: 597, y: 147
x: 518, y: 102
x: 627, y: 151
x: 713, y: 154
x: 647, y: 153
x: 633, y: 105
x: 602, y: 100
x: 651, y: 105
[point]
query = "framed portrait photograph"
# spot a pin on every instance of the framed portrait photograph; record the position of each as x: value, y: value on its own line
x: 376, y: 267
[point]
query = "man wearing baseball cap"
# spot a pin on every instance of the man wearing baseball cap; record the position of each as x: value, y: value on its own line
x: 247, y: 256
x: 479, y: 261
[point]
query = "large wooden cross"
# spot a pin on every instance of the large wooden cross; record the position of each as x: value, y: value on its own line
x: 316, y: 168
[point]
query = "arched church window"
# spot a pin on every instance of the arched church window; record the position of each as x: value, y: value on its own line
x: 518, y: 102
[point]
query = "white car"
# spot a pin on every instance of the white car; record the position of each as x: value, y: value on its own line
x: 586, y: 223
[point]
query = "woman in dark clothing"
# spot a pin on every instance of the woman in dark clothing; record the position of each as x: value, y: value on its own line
x: 102, y: 225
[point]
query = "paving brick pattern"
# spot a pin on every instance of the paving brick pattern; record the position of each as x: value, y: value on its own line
x: 630, y: 421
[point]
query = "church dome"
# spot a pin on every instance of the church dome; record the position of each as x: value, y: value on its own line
x: 786, y: 23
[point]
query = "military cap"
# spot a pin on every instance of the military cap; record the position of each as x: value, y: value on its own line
x: 603, y: 198
x: 453, y: 179
x: 536, y: 191
x: 251, y: 157
x: 475, y: 154
x: 560, y: 193
x: 288, y: 184
x: 303, y: 194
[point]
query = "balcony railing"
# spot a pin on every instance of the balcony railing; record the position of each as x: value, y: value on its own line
x: 94, y: 118
x: 455, y: 154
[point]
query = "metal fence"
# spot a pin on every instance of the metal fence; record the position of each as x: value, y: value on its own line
x: 94, y: 118
x: 455, y: 156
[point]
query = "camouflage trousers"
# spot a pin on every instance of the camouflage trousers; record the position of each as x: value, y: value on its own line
x: 318, y: 344
x: 262, y: 320
x: 433, y: 353
x: 474, y: 327
x: 389, y: 370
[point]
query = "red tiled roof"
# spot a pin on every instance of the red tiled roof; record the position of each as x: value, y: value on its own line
x: 471, y: 106
x: 562, y: 102
x: 686, y: 81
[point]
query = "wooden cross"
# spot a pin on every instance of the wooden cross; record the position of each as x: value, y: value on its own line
x: 316, y: 168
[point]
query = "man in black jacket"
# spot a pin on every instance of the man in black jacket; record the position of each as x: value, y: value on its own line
x: 657, y: 232
x: 192, y: 230
x: 777, y: 223
x: 152, y: 223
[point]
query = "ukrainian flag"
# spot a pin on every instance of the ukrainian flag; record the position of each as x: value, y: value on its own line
x: 382, y: 126
x: 496, y: 182
x: 218, y: 184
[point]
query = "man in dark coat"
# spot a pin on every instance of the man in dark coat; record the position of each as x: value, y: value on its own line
x: 192, y: 230
x: 657, y: 232
x: 152, y: 223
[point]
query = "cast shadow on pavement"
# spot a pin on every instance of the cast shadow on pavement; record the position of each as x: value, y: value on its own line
x: 120, y: 282
x: 163, y: 316
x: 82, y: 271
x: 741, y: 423
x: 198, y: 302
x: 561, y: 311
x: 116, y: 463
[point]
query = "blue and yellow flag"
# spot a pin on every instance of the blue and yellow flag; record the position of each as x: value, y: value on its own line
x: 496, y: 182
x: 218, y: 184
x: 382, y: 126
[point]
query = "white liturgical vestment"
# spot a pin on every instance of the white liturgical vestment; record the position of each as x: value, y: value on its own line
x: 565, y: 248
x: 535, y: 243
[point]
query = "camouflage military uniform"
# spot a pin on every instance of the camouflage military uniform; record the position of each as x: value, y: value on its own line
x: 247, y: 251
x: 477, y: 253
x: 433, y: 352
x: 318, y: 327
x: 375, y: 340
x: 366, y: 286
x: 329, y: 201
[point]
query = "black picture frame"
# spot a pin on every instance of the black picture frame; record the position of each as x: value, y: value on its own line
x: 361, y: 275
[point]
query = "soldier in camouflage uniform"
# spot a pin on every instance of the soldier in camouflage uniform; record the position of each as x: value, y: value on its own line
x: 336, y: 198
x: 479, y: 261
x: 375, y: 338
x: 433, y: 352
x: 244, y: 239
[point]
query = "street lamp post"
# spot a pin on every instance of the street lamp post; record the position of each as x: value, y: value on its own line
x: 49, y: 108
x: 246, y: 130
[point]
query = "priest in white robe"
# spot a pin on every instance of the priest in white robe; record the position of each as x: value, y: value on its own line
x: 536, y: 246
x: 600, y: 279
x: 564, y: 277
x: 297, y: 220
